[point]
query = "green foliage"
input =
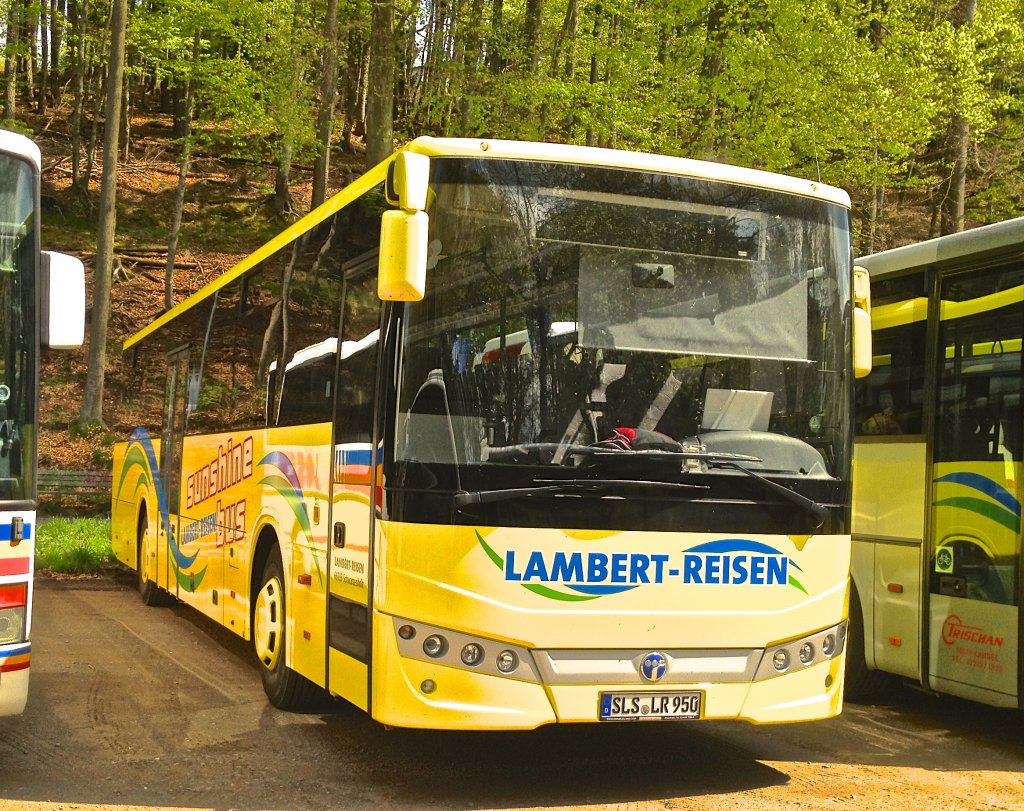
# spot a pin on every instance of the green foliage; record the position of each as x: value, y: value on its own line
x: 74, y: 545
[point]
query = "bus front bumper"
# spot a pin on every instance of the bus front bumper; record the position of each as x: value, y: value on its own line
x: 412, y: 691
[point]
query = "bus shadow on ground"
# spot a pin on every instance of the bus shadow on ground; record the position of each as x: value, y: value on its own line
x: 552, y: 766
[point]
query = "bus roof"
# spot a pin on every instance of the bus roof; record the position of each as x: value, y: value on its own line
x: 1002, y: 237
x: 504, y: 150
x: 19, y: 146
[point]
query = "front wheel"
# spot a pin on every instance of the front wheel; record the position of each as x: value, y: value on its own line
x: 286, y: 689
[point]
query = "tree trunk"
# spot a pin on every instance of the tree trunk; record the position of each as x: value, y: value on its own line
x: 57, y: 22
x: 325, y: 115
x: 100, y: 78
x: 92, y: 401
x: 179, y: 194
x: 44, y: 58
x: 77, y: 10
x: 958, y: 142
x: 381, y: 84
x: 11, y: 60
x: 283, y: 203
x: 351, y: 84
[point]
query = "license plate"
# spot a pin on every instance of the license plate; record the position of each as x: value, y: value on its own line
x: 651, y: 706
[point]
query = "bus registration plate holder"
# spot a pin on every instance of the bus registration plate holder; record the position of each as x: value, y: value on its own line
x: 652, y: 706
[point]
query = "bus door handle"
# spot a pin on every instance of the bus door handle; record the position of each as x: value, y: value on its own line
x: 339, y: 535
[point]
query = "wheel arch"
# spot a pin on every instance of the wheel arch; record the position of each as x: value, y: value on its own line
x: 265, y: 543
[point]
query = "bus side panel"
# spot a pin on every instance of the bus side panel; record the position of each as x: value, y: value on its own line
x: 897, y: 609
x: 205, y: 523
x: 236, y: 486
x: 888, y: 529
x: 304, y: 507
x: 17, y: 567
x: 351, y: 513
x: 136, y: 465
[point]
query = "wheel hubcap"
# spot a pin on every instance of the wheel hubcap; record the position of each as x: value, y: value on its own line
x: 268, y: 624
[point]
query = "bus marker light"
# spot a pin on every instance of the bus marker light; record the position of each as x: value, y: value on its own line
x: 407, y: 632
x: 895, y: 641
x: 428, y: 686
x: 305, y: 579
x: 435, y: 645
x: 14, y: 595
x: 828, y: 681
x: 807, y: 653
x: 472, y: 654
x: 507, y: 661
x: 896, y: 588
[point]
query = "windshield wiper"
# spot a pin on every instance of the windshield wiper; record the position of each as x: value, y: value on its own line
x: 657, y: 453
x: 820, y: 511
x: 554, y: 487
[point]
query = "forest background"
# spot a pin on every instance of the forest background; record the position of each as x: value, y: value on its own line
x: 179, y: 136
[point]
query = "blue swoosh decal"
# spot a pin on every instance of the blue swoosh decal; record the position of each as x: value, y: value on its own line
x: 984, y: 485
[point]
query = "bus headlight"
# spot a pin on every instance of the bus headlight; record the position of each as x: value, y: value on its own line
x: 462, y: 651
x: 435, y: 646
x: 507, y: 661
x: 797, y: 654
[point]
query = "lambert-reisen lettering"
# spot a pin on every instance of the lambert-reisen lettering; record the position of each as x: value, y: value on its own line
x: 636, y: 568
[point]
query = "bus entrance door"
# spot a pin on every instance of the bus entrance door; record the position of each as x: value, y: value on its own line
x: 170, y: 467
x: 974, y: 614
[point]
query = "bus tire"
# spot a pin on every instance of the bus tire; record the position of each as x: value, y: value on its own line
x: 286, y: 689
x: 150, y: 592
x: 863, y: 685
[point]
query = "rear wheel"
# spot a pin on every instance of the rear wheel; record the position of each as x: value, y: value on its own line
x: 151, y: 593
x: 285, y: 688
x: 862, y: 684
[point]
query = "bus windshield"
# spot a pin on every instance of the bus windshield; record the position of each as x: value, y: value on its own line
x: 17, y: 327
x: 573, y: 311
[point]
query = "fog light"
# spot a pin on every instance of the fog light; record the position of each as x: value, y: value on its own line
x: 507, y: 661
x: 828, y: 645
x: 781, y: 660
x: 472, y: 654
x: 407, y: 632
x: 807, y: 653
x: 435, y: 645
x: 12, y: 625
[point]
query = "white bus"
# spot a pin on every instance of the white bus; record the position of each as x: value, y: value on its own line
x: 938, y: 479
x: 42, y: 303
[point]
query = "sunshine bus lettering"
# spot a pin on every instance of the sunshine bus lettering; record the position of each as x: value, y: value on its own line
x: 231, y: 465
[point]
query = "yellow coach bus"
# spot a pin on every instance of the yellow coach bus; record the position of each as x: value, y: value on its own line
x: 938, y: 485
x: 509, y: 434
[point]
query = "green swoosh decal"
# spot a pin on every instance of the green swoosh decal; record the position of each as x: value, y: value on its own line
x: 536, y: 588
x: 287, y: 491
x: 134, y: 458
x: 186, y: 581
x: 987, y: 509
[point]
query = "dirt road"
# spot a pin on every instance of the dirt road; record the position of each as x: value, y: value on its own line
x: 157, y: 708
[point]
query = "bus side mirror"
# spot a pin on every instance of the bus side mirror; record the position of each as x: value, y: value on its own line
x: 861, y: 322
x: 63, y: 297
x: 407, y: 181
x: 403, y: 232
x: 403, y: 256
